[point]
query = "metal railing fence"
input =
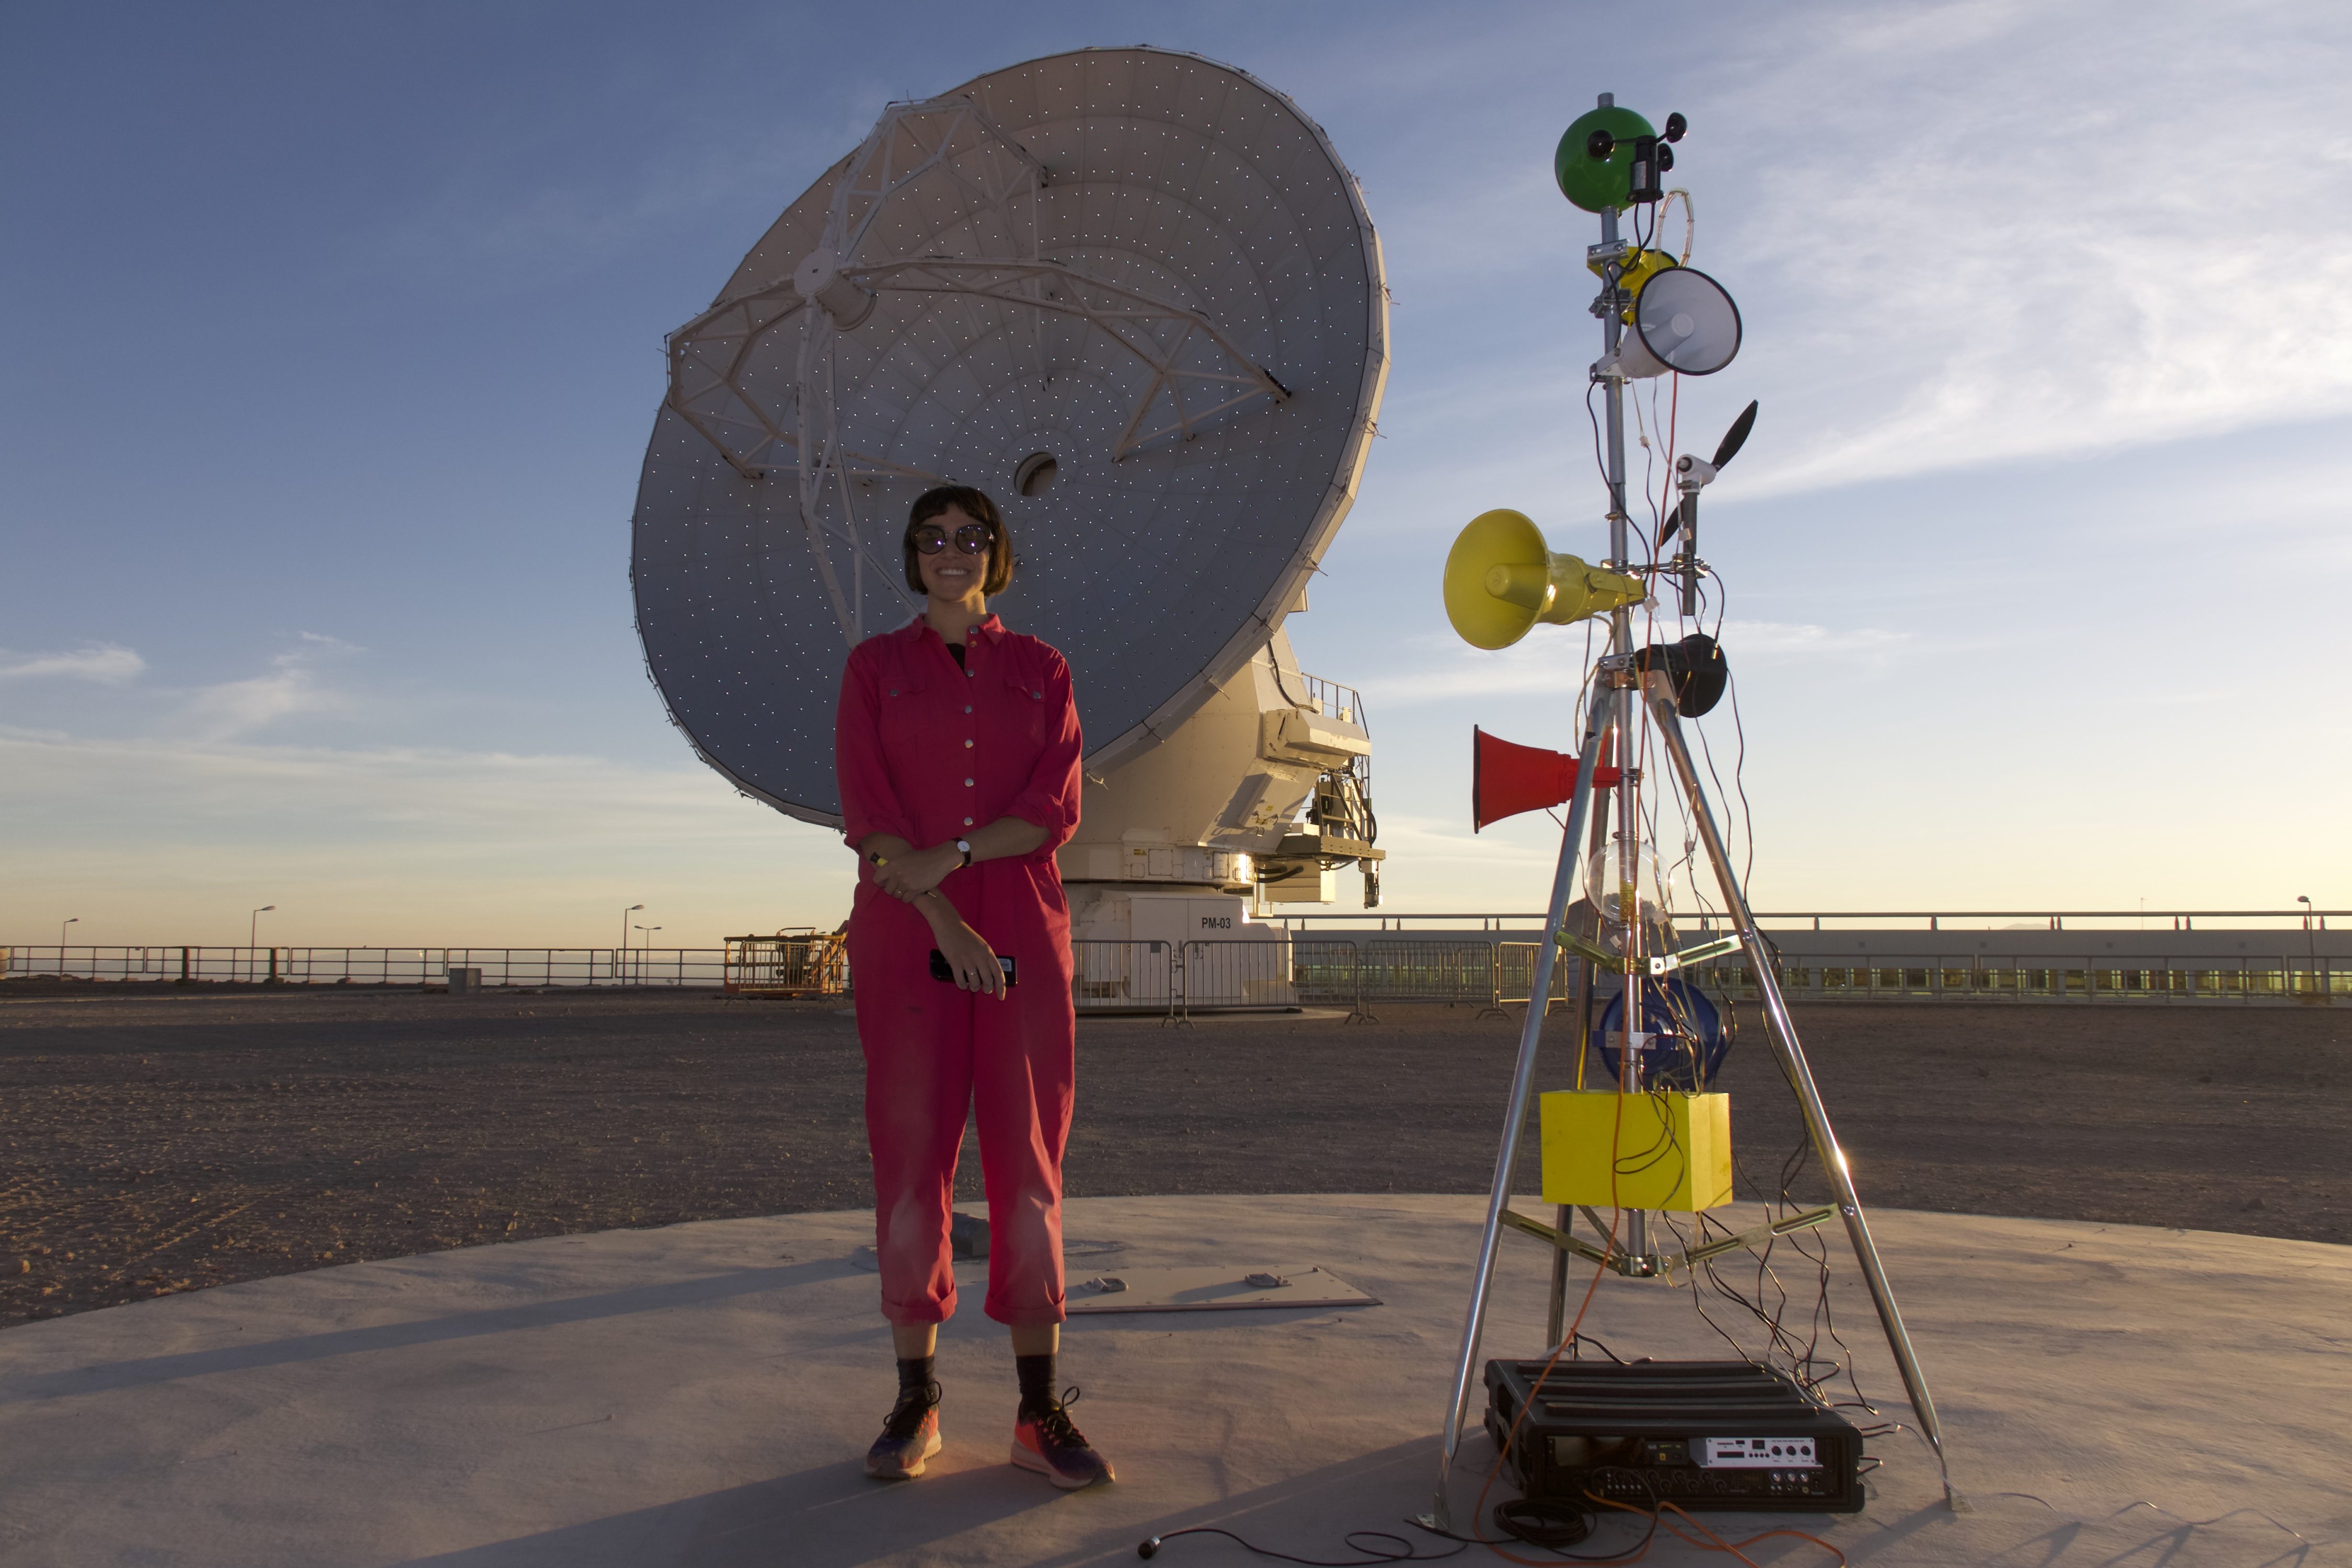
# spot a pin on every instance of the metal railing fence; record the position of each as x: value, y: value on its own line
x: 2042, y: 978
x: 1224, y: 975
x: 1123, y: 977
x: 1357, y: 970
x: 1440, y: 922
x: 396, y: 967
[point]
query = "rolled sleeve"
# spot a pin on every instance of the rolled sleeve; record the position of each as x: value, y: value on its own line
x: 1050, y: 800
x: 868, y: 802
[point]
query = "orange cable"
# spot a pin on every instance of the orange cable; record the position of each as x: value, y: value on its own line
x: 1608, y: 1244
x: 1712, y: 1543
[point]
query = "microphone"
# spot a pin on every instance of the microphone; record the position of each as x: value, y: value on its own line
x: 1148, y: 1549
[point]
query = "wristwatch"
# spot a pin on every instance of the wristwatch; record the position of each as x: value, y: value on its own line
x: 963, y: 847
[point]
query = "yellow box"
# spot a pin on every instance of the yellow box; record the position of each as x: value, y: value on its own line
x: 1672, y: 1150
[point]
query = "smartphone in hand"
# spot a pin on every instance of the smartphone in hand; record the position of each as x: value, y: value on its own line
x: 939, y: 970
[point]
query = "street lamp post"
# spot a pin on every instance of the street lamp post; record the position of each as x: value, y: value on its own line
x: 74, y: 920
x: 645, y: 947
x: 633, y: 909
x: 253, y: 938
x: 2310, y: 936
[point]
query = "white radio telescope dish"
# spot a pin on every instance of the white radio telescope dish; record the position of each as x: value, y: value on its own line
x: 1132, y: 294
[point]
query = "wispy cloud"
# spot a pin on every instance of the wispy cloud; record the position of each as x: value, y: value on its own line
x: 1549, y: 661
x: 109, y: 664
x: 357, y: 792
x: 2028, y: 241
x: 292, y: 686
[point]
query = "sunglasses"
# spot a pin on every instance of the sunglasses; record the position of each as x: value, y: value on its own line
x: 972, y: 539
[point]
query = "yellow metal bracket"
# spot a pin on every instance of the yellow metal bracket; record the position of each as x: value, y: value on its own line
x: 1591, y: 950
x: 1698, y: 952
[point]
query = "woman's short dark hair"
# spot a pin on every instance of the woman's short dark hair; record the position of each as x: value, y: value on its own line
x: 975, y: 505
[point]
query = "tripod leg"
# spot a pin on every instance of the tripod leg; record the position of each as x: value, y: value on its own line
x: 1563, y: 886
x: 1556, y: 1323
x: 1783, y: 1030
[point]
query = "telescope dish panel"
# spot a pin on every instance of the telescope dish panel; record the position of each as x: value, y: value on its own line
x: 1132, y: 294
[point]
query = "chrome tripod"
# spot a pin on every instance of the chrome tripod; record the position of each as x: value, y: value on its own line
x: 1619, y: 684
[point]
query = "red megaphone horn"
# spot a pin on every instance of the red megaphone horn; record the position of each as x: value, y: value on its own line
x: 1505, y: 779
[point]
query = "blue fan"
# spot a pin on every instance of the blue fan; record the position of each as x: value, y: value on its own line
x: 1688, y: 1038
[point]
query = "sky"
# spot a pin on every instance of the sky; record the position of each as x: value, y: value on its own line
x: 334, y: 339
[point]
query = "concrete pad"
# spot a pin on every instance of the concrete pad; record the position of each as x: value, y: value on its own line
x: 703, y: 1394
x: 1215, y: 1288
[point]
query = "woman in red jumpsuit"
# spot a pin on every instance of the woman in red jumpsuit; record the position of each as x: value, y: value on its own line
x: 958, y: 749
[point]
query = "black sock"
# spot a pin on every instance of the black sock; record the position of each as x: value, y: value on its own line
x: 915, y: 1378
x: 1037, y: 1375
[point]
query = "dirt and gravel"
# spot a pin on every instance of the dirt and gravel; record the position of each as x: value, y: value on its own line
x: 154, y: 1141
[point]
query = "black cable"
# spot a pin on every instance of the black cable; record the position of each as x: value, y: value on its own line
x: 1536, y: 1515
x: 1543, y: 1521
x: 1407, y: 1552
x: 1600, y: 460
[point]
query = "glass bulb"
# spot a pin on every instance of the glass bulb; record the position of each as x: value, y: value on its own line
x: 1652, y: 878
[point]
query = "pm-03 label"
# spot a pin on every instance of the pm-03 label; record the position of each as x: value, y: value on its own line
x: 1758, y: 1454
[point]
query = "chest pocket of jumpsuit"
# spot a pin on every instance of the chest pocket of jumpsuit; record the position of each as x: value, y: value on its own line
x: 905, y: 708
x: 1024, y: 704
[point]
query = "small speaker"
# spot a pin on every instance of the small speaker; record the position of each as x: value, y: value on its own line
x: 1695, y: 666
x: 1507, y: 779
x: 1500, y: 580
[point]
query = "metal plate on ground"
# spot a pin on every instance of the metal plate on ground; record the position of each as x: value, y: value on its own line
x: 1213, y: 1289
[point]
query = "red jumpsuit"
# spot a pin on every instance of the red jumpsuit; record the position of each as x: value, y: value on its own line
x: 928, y: 752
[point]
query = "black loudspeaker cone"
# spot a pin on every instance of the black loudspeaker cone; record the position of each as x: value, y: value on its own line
x: 1695, y: 667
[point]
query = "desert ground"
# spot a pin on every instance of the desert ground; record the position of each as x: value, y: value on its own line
x: 154, y: 1141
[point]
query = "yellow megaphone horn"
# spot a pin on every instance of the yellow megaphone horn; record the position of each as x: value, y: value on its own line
x: 1500, y: 580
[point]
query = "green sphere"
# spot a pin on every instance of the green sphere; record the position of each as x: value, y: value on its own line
x: 1594, y: 184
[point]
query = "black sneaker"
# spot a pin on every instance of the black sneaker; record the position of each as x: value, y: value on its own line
x: 910, y: 1435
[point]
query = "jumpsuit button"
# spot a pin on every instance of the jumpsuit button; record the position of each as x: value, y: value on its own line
x: 967, y: 822
x: 967, y: 745
x: 967, y: 783
x: 967, y: 707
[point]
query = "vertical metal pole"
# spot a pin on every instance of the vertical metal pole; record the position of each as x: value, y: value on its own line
x: 1556, y: 1320
x: 1563, y: 885
x: 1783, y: 1031
x: 1621, y: 642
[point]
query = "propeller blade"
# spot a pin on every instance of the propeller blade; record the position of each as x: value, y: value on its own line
x: 1674, y: 522
x: 1737, y: 437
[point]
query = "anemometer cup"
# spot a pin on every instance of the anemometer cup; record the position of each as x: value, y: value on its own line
x: 1612, y: 158
x: 1593, y: 164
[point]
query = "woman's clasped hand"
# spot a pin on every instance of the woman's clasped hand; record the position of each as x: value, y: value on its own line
x: 970, y: 957
x: 912, y: 873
